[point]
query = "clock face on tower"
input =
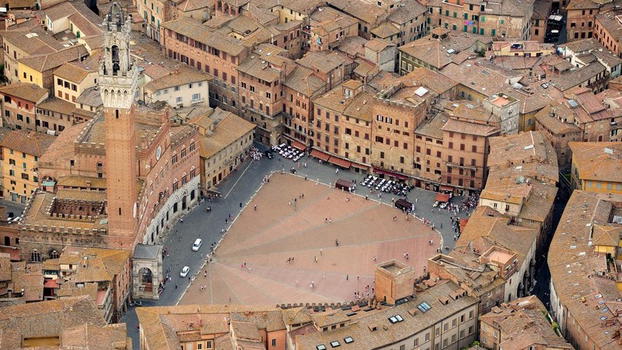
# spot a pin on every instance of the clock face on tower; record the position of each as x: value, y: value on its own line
x: 158, y: 152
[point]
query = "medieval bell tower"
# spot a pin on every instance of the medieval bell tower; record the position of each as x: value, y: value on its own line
x: 117, y: 83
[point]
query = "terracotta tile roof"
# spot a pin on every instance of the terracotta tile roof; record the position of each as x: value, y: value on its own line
x: 433, y: 126
x: 582, y: 4
x: 607, y: 235
x: 519, y: 152
x: 523, y: 323
x: 17, y: 4
x: 328, y: 318
x: 385, y: 30
x: 303, y: 80
x: 566, y: 81
x: 193, y: 5
x: 576, y: 269
x: 40, y: 43
x: 95, y: 337
x: 360, y: 325
x: 464, y: 127
x: 484, y: 231
x: 25, y: 91
x: 358, y: 107
x: 228, y: 129
x: 96, y: 264
x: 45, y: 62
x: 63, y: 9
x: 407, y: 11
x: 430, y: 79
x: 599, y: 161
x: 46, y: 319
x: 73, y: 72
x: 261, y: 68
x: 82, y: 181
x: 29, y: 279
x: 177, y: 78
x: 325, y: 20
x: 438, y: 52
x: 57, y: 105
x: 323, y: 61
x: 161, y: 324
x: 29, y: 142
x: 378, y: 45
x: 58, y: 154
x: 194, y: 29
x: 480, y: 78
x: 245, y: 331
x: 554, y: 125
x: 365, y: 11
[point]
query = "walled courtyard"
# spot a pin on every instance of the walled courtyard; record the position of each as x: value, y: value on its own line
x: 304, y: 220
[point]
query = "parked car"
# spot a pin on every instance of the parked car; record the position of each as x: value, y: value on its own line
x: 197, y: 245
x: 184, y: 271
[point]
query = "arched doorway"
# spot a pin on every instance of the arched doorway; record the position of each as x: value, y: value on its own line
x: 146, y: 279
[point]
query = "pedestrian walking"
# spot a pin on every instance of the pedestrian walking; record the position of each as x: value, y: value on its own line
x: 240, y: 204
x: 255, y: 208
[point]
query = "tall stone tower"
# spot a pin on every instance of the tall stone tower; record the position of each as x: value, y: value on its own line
x: 117, y: 82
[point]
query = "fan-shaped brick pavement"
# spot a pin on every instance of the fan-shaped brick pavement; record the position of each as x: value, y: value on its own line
x: 302, y: 220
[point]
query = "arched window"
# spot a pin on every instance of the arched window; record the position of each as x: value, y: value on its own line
x: 35, y: 256
x: 115, y: 60
x: 54, y: 254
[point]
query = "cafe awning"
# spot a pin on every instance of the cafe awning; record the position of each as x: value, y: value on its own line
x: 299, y: 145
x: 320, y: 155
x: 360, y: 166
x: 390, y: 173
x: 442, y: 197
x: 50, y: 284
x: 340, y: 162
x: 446, y: 188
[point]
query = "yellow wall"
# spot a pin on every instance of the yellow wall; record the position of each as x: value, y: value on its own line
x: 468, y: 92
x: 31, y: 75
x: 605, y: 249
x: 602, y: 186
x: 12, y: 180
x: 70, y: 94
x: 527, y: 121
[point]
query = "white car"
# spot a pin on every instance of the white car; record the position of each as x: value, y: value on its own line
x: 197, y: 245
x: 184, y: 271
